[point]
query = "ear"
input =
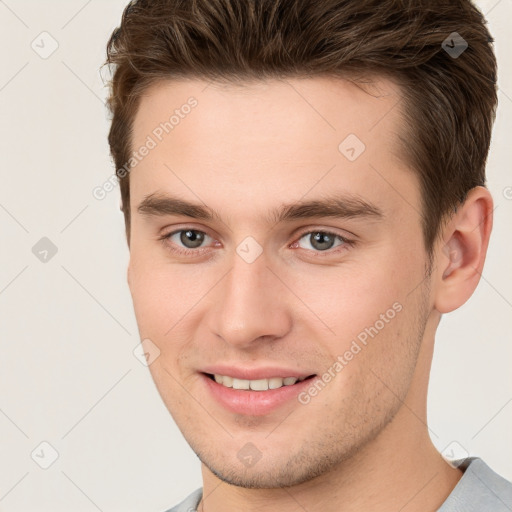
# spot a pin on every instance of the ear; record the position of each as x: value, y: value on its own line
x: 461, y: 251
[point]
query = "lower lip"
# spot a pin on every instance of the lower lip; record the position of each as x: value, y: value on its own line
x: 254, y: 403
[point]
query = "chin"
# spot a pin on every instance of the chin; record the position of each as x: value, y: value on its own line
x: 282, y: 469
x: 265, y: 477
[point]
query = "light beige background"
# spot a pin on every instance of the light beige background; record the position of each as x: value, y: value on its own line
x: 68, y: 375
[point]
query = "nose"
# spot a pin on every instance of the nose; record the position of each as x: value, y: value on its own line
x: 251, y: 305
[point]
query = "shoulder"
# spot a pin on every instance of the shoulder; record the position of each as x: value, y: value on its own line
x: 190, y: 503
x: 479, y: 490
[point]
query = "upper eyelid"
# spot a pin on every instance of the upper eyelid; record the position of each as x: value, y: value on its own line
x: 326, y: 231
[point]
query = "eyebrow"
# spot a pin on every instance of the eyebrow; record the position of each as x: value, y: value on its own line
x: 338, y: 206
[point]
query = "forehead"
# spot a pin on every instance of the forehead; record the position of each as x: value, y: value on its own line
x: 268, y: 138
x: 294, y: 109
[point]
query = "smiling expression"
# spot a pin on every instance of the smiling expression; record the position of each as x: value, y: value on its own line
x: 271, y: 227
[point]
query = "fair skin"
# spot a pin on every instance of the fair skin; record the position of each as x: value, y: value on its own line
x: 361, y: 442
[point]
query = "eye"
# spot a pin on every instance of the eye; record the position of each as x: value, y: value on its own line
x: 321, y: 241
x: 190, y: 241
x: 185, y: 240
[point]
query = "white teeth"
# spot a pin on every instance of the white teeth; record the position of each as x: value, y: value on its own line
x: 275, y: 382
x: 241, y: 384
x: 258, y: 384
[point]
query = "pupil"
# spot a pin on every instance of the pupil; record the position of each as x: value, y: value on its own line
x: 322, y: 241
x: 191, y: 238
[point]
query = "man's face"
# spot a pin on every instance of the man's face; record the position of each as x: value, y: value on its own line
x: 251, y: 295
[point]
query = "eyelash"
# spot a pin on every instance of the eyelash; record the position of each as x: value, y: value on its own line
x: 165, y: 239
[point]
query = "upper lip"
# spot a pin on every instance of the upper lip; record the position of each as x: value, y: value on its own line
x: 263, y: 372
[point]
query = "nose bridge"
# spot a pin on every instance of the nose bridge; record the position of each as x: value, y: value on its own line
x: 251, y: 304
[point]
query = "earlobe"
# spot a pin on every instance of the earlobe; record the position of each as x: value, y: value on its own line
x: 461, y: 254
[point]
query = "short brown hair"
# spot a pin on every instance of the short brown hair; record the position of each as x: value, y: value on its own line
x: 450, y: 100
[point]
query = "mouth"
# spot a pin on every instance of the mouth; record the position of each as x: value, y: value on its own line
x: 255, y: 397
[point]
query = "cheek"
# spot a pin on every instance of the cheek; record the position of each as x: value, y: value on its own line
x: 150, y: 297
x: 169, y: 301
x: 349, y: 298
x: 373, y: 324
x: 161, y: 292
